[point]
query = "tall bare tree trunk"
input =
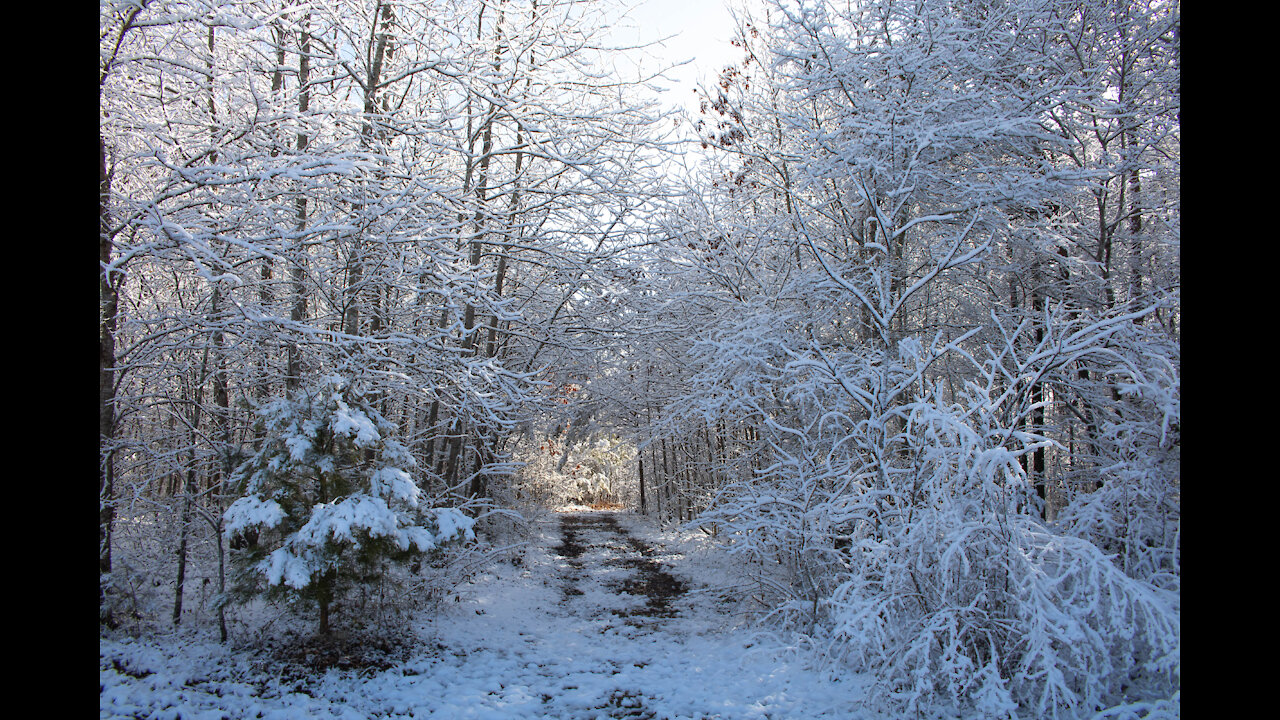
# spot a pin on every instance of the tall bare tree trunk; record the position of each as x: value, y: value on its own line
x: 378, y: 39
x: 266, y: 297
x: 640, y: 466
x: 109, y: 285
x: 190, y: 483
x: 108, y: 300
x: 512, y: 209
x: 1038, y: 396
x: 293, y: 375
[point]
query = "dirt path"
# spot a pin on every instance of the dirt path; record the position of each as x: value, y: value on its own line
x: 596, y: 540
x: 624, y: 628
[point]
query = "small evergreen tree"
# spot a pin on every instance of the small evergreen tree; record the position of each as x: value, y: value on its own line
x: 328, y: 502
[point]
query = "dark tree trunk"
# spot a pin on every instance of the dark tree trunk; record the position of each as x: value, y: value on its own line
x: 107, y: 305
x: 293, y: 375
x: 640, y: 461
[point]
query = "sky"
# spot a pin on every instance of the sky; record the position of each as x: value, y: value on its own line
x: 699, y: 30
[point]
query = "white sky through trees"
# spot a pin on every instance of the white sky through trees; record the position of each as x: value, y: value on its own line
x: 697, y: 31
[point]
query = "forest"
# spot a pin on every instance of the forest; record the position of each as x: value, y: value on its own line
x: 889, y: 330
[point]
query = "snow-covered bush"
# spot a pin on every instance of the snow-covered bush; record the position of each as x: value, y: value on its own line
x: 1131, y: 508
x: 328, y: 503
x: 968, y: 595
x: 897, y: 522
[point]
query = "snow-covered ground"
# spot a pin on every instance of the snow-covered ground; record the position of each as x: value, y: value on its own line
x: 555, y: 637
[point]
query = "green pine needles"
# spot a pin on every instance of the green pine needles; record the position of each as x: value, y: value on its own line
x: 328, y: 503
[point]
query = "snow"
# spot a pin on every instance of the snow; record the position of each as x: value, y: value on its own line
x: 282, y: 566
x: 299, y: 446
x: 513, y: 647
x: 394, y: 483
x: 451, y: 521
x: 547, y: 637
x: 251, y: 511
x: 353, y: 423
x: 342, y: 520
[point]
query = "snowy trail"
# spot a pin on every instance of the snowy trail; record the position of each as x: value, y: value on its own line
x: 610, y: 628
x: 602, y: 620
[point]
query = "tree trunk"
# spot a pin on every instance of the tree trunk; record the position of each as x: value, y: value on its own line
x: 222, y: 581
x: 1037, y: 398
x: 293, y: 375
x: 324, y: 598
x: 108, y: 300
x: 373, y: 77
x: 262, y: 389
x: 665, y: 487
x: 640, y: 463
x: 190, y: 484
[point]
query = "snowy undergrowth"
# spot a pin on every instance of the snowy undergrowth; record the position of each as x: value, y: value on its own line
x: 513, y: 646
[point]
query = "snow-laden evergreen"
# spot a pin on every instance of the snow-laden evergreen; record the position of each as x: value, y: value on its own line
x: 328, y: 502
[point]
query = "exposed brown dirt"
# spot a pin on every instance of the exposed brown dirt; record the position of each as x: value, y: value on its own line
x: 594, y: 541
x: 302, y: 655
x: 648, y: 579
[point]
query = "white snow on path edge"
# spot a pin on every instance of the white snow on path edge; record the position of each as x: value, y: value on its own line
x: 529, y: 654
